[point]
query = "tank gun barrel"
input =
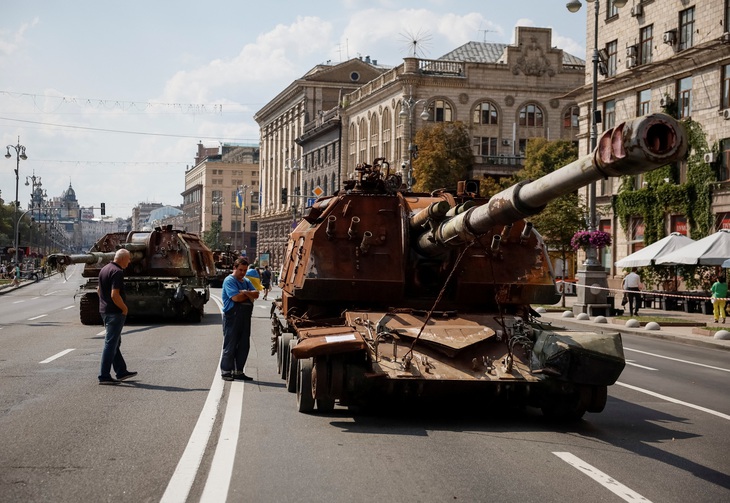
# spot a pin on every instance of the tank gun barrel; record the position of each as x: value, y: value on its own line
x: 630, y: 148
x: 137, y: 252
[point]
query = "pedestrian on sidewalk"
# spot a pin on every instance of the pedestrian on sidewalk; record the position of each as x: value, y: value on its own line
x: 719, y: 296
x: 632, y: 283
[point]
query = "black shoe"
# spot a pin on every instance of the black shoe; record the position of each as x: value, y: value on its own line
x: 109, y: 382
x: 126, y: 375
x: 227, y: 377
x: 242, y: 377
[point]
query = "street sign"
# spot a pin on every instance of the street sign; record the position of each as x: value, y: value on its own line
x: 311, y: 200
x: 318, y: 191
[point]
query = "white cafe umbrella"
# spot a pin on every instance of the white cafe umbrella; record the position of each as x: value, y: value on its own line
x: 647, y: 256
x: 712, y: 250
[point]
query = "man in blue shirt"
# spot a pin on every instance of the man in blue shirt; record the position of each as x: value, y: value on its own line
x: 238, y: 296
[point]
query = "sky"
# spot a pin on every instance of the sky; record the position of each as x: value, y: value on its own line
x: 113, y: 97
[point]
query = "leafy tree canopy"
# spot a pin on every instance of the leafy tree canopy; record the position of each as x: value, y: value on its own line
x: 444, y: 156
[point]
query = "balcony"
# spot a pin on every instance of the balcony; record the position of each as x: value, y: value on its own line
x: 497, y: 165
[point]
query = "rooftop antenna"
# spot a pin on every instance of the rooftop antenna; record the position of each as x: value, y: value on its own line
x: 485, y: 34
x: 417, y: 43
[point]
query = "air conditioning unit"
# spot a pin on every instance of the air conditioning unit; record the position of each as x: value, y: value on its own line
x: 726, y: 114
x: 631, y: 62
x: 670, y: 37
x: 709, y: 158
x: 506, y: 143
x: 725, y: 38
x: 637, y: 10
x: 632, y: 51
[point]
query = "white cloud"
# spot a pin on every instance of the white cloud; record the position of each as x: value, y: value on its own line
x: 10, y: 42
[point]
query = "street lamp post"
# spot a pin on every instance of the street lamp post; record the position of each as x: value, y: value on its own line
x: 19, y: 154
x: 36, y: 192
x: 241, y: 204
x: 592, y: 272
x: 408, y: 106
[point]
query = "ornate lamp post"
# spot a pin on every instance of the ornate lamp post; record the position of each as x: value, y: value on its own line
x: 19, y: 154
x: 591, y: 272
x: 408, y: 106
x: 241, y: 194
x: 36, y: 195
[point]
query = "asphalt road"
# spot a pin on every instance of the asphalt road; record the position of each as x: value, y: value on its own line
x: 179, y: 433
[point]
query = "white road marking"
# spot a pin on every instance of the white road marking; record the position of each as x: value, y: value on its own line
x: 34, y: 298
x: 103, y: 332
x: 18, y: 301
x: 68, y: 307
x: 221, y: 468
x: 51, y: 293
x: 606, y: 481
x: 677, y: 359
x: 674, y: 400
x: 182, y: 479
x: 36, y: 317
x: 57, y: 355
x: 631, y: 362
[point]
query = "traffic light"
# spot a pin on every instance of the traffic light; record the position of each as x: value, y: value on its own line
x: 284, y: 195
x: 103, y: 209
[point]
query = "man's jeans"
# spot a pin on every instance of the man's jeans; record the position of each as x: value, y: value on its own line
x: 112, y: 355
x: 236, y: 337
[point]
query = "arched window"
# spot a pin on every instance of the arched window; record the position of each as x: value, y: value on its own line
x: 386, y: 135
x: 374, y: 138
x: 486, y: 113
x: 334, y: 187
x: 363, y: 141
x: 571, y: 117
x: 325, y: 184
x: 440, y: 111
x: 531, y: 115
x: 398, y: 134
x: 352, y: 157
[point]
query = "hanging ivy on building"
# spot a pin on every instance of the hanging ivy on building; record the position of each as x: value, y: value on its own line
x: 662, y: 194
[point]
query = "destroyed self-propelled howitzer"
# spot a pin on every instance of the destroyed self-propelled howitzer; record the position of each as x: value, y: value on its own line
x: 386, y: 292
x: 167, y: 277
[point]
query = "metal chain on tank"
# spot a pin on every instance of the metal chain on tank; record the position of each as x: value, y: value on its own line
x: 409, y: 354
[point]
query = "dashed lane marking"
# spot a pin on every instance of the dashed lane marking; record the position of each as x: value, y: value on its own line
x: 57, y: 355
x: 606, y: 481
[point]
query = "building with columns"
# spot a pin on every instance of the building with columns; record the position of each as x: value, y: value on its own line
x: 674, y: 56
x: 283, y: 164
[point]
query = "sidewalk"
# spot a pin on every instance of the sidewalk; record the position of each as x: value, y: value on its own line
x: 673, y: 333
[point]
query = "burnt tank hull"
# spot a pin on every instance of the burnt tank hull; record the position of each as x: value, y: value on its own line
x: 387, y: 293
x: 167, y: 278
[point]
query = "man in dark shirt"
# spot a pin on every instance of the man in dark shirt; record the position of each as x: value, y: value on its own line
x: 113, y: 310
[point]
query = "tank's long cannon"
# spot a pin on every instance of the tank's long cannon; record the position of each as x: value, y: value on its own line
x: 136, y: 250
x: 630, y: 148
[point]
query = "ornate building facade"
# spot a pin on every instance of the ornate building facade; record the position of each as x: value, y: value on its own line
x: 659, y: 56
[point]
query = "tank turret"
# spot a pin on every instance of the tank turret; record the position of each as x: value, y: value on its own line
x: 447, y: 280
x: 167, y: 276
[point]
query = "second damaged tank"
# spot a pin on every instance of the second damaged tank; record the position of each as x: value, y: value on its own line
x: 391, y: 293
x: 167, y: 277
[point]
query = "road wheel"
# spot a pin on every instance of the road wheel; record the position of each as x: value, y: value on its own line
x: 285, y: 338
x: 325, y: 404
x: 566, y: 407
x: 89, y: 310
x: 305, y: 398
x: 291, y: 377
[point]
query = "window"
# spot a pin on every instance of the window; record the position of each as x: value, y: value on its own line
x: 363, y: 140
x: 637, y: 234
x: 398, y: 134
x: 724, y: 160
x: 485, y: 146
x: 646, y: 39
x: 725, y: 85
x: 485, y: 113
x: 386, y: 134
x: 571, y: 119
x: 684, y: 97
x: 531, y: 115
x: 612, y: 63
x: 374, y: 137
x: 643, y: 101
x: 609, y: 114
x: 440, y: 111
x: 686, y: 28
x: 353, y: 146
x: 612, y: 10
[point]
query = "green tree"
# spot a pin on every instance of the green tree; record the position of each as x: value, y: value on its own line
x: 564, y: 216
x: 444, y: 156
x: 212, y: 237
